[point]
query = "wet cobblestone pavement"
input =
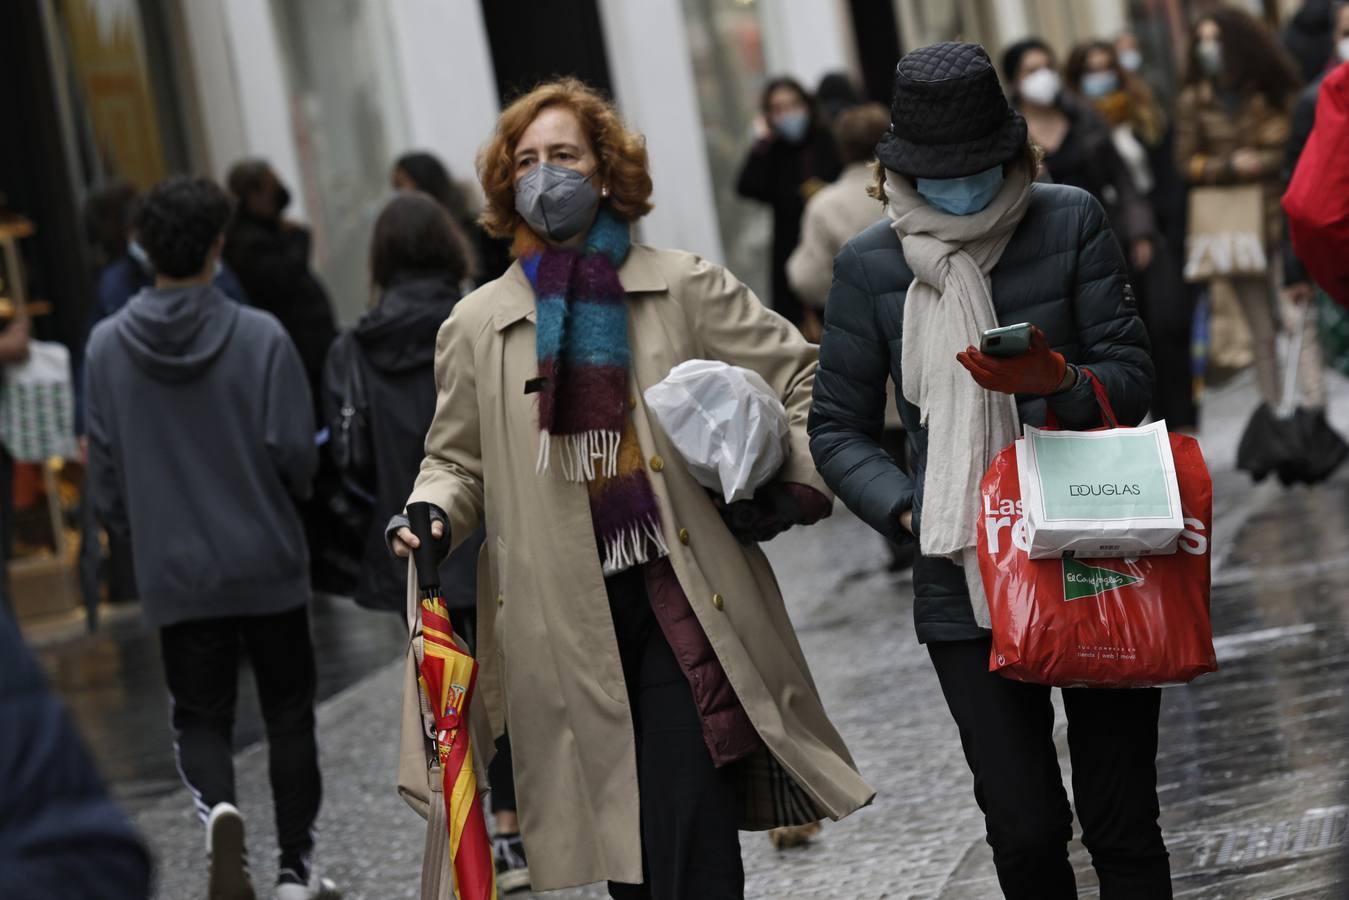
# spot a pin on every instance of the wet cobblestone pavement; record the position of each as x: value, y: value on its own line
x: 1253, y: 769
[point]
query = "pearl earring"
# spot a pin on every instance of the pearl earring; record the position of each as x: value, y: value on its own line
x: 604, y: 191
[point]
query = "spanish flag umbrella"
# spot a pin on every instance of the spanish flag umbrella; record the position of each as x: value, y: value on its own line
x: 448, y: 677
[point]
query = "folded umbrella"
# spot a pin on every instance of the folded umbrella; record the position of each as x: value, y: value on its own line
x: 1297, y: 444
x: 1321, y: 450
x: 448, y: 678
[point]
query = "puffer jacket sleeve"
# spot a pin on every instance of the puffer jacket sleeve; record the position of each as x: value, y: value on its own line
x: 847, y: 414
x: 1113, y: 341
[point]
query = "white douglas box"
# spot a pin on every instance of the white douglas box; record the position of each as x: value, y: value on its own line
x: 1102, y: 493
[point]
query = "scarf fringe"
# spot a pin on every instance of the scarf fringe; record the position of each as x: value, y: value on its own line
x: 634, y: 547
x: 579, y: 454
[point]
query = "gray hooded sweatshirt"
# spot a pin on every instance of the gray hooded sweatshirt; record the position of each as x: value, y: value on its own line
x: 201, y: 440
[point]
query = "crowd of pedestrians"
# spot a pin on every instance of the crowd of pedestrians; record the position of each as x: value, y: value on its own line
x: 646, y: 693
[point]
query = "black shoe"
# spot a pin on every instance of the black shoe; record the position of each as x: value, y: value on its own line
x: 512, y: 867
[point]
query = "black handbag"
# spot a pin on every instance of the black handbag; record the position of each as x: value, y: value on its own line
x: 352, y: 444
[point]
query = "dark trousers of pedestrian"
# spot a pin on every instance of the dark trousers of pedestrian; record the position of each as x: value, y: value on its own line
x: 1166, y: 304
x: 1007, y: 731
x: 201, y: 664
x: 690, y: 810
x: 6, y: 528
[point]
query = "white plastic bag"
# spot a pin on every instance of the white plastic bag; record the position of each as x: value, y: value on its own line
x: 727, y: 423
x: 37, y: 405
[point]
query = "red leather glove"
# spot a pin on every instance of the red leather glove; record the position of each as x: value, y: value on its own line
x: 1039, y: 370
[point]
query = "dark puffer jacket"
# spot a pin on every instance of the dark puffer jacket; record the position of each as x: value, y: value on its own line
x: 1062, y: 271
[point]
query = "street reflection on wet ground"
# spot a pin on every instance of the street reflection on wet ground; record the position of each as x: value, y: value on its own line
x: 1253, y: 765
x: 1253, y: 774
x: 1253, y: 770
x: 113, y: 682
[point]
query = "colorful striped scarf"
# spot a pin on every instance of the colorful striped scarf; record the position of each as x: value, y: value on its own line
x: 584, y: 419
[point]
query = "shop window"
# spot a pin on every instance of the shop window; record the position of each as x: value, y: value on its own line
x: 347, y: 108
x: 726, y: 45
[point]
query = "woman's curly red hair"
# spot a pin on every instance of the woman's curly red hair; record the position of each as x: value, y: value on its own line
x: 623, y: 165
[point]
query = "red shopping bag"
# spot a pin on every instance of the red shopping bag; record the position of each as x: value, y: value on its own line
x: 1317, y: 200
x: 1098, y: 622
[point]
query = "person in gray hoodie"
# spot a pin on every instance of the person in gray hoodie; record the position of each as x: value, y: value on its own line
x: 201, y: 440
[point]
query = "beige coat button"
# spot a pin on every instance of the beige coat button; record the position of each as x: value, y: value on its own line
x: 684, y: 536
x: 717, y: 602
x: 632, y: 403
x: 501, y: 599
x: 657, y: 463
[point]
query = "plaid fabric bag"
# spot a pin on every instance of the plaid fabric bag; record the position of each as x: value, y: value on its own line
x: 37, y: 405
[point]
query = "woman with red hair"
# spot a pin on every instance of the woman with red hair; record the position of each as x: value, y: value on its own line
x: 633, y: 638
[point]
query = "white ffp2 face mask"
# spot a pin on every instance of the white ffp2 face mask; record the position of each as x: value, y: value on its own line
x: 1041, y: 87
x: 1342, y: 49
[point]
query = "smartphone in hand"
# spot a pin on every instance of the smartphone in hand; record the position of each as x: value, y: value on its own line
x: 1010, y: 340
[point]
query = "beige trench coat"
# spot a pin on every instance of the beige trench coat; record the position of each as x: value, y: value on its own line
x: 551, y: 668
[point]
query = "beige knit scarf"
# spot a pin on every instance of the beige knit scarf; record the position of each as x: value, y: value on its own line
x: 948, y: 305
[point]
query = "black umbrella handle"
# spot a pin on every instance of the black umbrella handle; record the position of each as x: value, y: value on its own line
x: 427, y: 554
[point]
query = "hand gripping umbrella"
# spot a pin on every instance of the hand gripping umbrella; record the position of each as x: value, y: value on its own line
x: 448, y: 677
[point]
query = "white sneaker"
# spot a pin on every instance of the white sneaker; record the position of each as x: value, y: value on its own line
x: 317, y: 889
x: 229, y: 879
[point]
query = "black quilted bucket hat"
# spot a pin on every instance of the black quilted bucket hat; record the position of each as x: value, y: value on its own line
x: 949, y: 117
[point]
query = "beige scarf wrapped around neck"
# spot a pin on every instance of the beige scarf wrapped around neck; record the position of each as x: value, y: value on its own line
x: 948, y: 305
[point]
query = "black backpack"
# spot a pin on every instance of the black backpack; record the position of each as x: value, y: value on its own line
x: 338, y: 518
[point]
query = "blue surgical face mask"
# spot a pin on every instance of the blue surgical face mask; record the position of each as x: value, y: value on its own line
x: 1100, y: 84
x: 962, y: 196
x: 792, y: 126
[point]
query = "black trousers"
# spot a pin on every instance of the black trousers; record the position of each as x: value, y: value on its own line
x: 201, y: 664
x: 1007, y: 731
x: 690, y: 808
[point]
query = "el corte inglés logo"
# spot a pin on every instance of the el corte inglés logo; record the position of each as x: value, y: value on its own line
x: 1081, y: 580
